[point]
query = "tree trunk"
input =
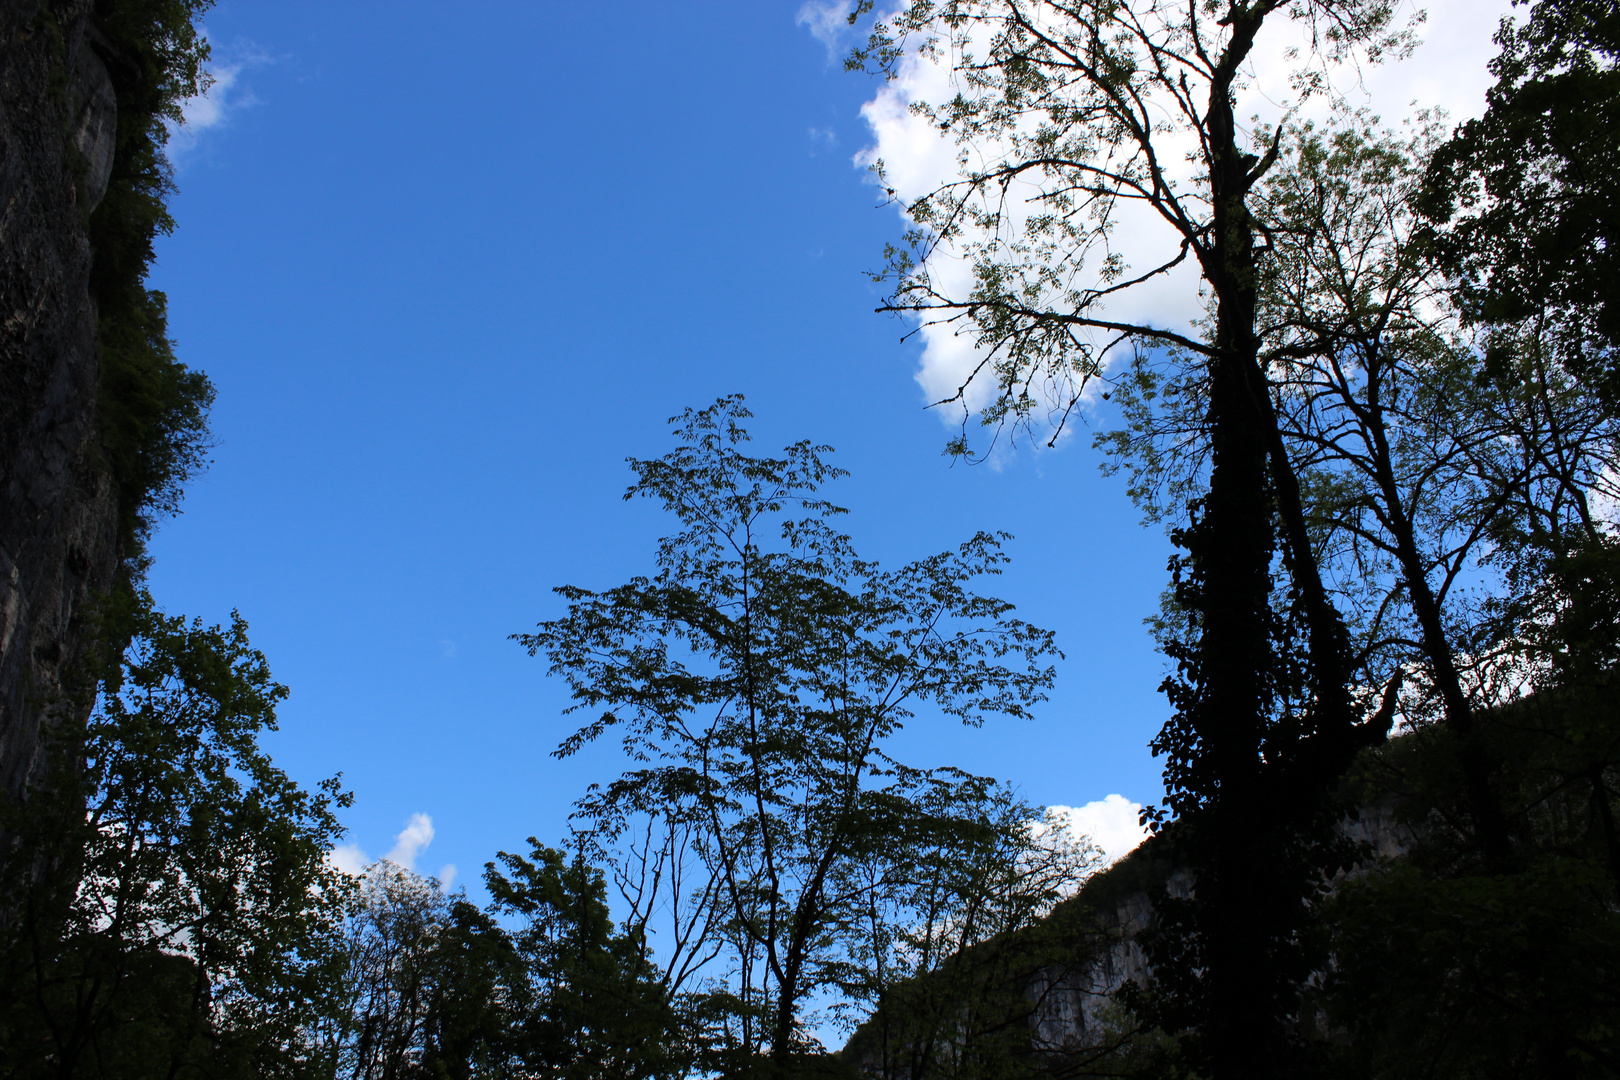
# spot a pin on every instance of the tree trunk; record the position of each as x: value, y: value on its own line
x: 1262, y: 804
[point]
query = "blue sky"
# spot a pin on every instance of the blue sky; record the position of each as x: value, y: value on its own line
x: 449, y: 266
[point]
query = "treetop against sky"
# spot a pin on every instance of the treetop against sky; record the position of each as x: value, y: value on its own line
x: 449, y: 270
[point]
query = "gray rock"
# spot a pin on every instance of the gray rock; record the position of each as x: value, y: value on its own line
x: 59, y: 542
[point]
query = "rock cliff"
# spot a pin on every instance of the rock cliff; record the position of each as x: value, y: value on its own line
x: 1071, y: 1007
x: 59, y: 514
x: 1061, y: 1016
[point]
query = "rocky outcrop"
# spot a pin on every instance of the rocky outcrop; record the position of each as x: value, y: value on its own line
x: 1071, y: 1008
x: 59, y: 536
x: 1067, y: 1009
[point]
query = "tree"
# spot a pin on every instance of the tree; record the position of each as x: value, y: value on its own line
x: 964, y: 960
x: 389, y: 986
x: 1530, y: 222
x: 1439, y: 476
x: 756, y: 685
x: 1462, y: 465
x: 593, y: 1006
x: 1452, y: 484
x: 540, y: 984
x: 1088, y: 108
x: 174, y: 909
x: 1525, y: 220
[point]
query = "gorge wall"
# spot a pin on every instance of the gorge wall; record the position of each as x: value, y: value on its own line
x: 59, y: 513
x: 1071, y: 1014
x: 1045, y: 995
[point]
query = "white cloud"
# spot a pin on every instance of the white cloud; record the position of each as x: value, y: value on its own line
x: 223, y: 98
x: 827, y: 21
x: 1447, y: 71
x: 349, y: 859
x: 417, y: 834
x: 1113, y: 824
x: 409, y: 843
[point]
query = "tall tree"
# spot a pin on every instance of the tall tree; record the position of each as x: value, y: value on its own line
x: 1454, y: 484
x: 757, y: 680
x: 1088, y: 110
x: 1442, y: 471
x: 1467, y: 464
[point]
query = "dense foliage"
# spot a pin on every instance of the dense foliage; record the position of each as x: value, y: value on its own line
x: 1390, y: 458
x: 1447, y: 967
x: 1388, y: 455
x: 542, y: 984
x: 152, y: 408
x: 169, y: 907
x: 1525, y: 193
x: 1072, y: 119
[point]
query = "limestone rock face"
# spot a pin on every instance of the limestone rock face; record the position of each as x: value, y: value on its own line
x: 1072, y: 1017
x: 59, y: 542
x: 95, y: 125
x: 1071, y: 1006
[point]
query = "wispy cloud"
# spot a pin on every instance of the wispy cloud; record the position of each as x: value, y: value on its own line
x: 417, y: 834
x: 226, y: 95
x: 409, y: 843
x: 828, y: 21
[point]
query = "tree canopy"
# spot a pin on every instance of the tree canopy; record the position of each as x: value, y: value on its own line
x: 1525, y: 193
x: 170, y: 906
x: 1345, y: 457
x: 756, y: 681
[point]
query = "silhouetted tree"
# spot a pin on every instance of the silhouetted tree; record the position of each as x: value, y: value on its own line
x: 175, y: 913
x: 757, y: 680
x: 1069, y: 116
x: 1524, y: 195
x: 541, y: 984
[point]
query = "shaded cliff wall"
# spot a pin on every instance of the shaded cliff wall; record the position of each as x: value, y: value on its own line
x: 59, y: 514
x: 1073, y: 1009
x: 1066, y: 1011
